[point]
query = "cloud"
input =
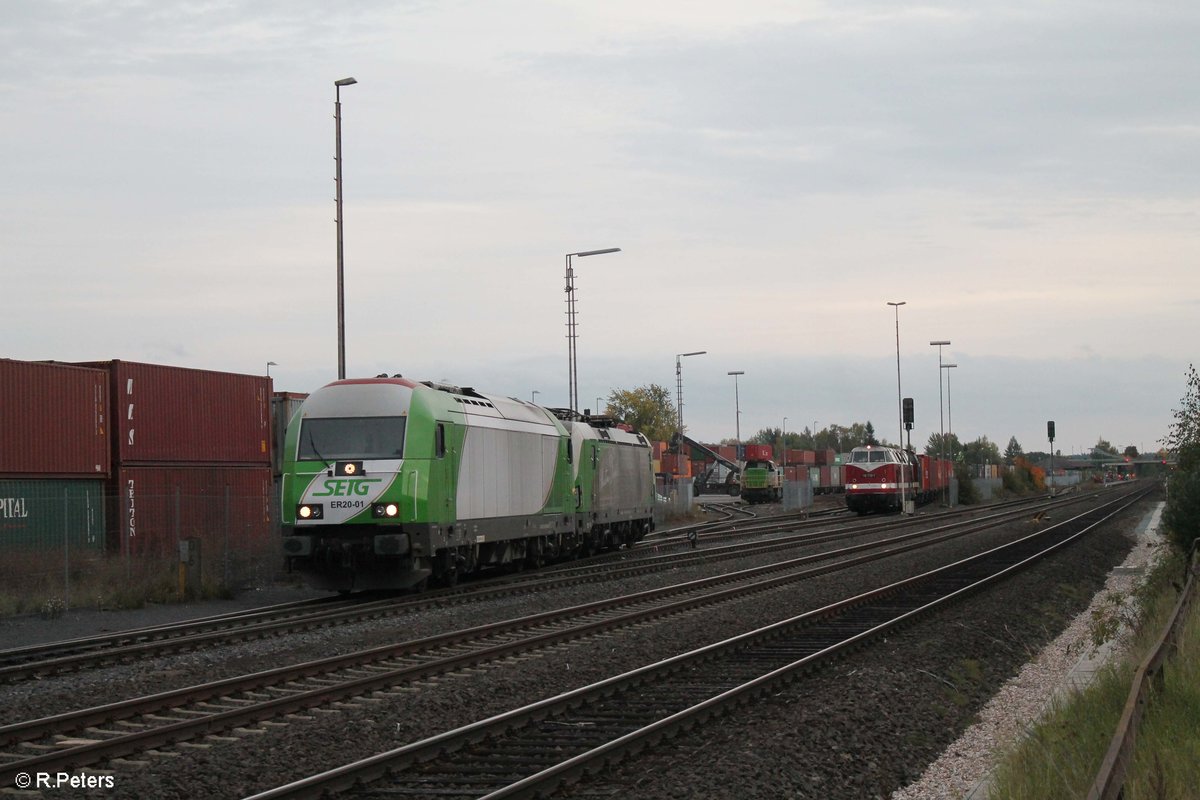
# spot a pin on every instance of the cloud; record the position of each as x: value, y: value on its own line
x: 1021, y: 174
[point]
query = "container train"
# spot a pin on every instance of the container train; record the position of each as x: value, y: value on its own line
x: 390, y: 483
x: 880, y: 478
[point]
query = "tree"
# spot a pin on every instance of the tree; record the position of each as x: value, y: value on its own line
x: 647, y: 408
x: 1184, y: 433
x: 947, y: 445
x: 1104, y: 446
x: 1013, y: 451
x: 1182, y: 514
x: 869, y: 434
x: 1131, y: 452
x: 967, y: 493
x: 981, y: 451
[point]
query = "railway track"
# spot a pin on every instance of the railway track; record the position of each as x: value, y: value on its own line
x: 151, y: 633
x: 532, y: 750
x: 53, y: 658
x: 130, y: 727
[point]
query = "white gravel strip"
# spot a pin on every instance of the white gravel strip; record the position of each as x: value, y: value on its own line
x: 962, y: 770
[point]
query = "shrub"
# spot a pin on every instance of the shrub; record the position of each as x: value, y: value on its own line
x: 968, y: 494
x: 1182, y: 514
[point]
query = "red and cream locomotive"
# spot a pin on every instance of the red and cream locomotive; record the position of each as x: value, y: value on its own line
x: 880, y: 478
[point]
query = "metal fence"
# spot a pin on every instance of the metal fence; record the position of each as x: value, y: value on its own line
x: 1110, y: 779
x: 80, y: 545
x: 797, y: 495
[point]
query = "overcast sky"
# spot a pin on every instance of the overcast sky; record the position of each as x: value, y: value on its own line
x: 1024, y: 175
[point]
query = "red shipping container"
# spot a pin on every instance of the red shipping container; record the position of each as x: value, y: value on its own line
x: 927, y: 472
x: 177, y: 415
x: 283, y: 406
x: 801, y: 457
x: 659, y: 448
x: 728, y: 452
x: 675, y: 465
x: 826, y: 477
x: 759, y: 452
x: 827, y: 456
x: 153, y: 508
x: 54, y: 420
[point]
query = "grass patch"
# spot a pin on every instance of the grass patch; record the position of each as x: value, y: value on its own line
x: 1166, y: 763
x: 1062, y: 753
x: 47, y: 583
x: 1059, y: 758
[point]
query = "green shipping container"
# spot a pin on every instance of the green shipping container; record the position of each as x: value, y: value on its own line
x: 51, y: 515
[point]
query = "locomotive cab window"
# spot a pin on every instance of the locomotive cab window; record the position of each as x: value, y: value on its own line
x: 333, y: 438
x: 879, y: 456
x: 439, y: 441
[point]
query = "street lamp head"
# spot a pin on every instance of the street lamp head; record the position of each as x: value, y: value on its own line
x: 345, y: 82
x: 697, y: 353
x: 949, y: 366
x: 901, y: 303
x: 596, y: 252
x: 736, y: 372
x: 942, y: 341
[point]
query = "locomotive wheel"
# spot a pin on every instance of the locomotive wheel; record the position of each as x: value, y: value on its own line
x: 534, y: 557
x: 448, y: 568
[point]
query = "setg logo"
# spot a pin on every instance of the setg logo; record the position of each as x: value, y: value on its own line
x: 346, y: 487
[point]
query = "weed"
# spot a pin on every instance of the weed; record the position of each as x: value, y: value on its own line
x: 1112, y: 615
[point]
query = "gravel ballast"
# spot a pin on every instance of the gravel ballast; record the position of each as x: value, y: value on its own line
x: 863, y: 727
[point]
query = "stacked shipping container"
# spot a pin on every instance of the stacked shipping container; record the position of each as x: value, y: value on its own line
x: 759, y: 452
x: 191, y: 455
x: 284, y: 406
x: 54, y: 457
x: 806, y: 457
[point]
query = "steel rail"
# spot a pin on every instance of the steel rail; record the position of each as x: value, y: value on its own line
x: 604, y: 569
x: 580, y: 621
x: 633, y: 710
x: 151, y: 632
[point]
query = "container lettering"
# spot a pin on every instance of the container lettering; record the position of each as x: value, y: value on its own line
x: 13, y: 508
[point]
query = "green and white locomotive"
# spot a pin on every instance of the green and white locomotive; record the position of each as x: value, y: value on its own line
x: 390, y: 483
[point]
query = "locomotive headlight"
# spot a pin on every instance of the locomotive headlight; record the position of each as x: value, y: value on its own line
x: 310, y: 511
x: 385, y: 510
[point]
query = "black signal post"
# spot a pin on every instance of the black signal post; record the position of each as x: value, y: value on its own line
x: 1050, y: 435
